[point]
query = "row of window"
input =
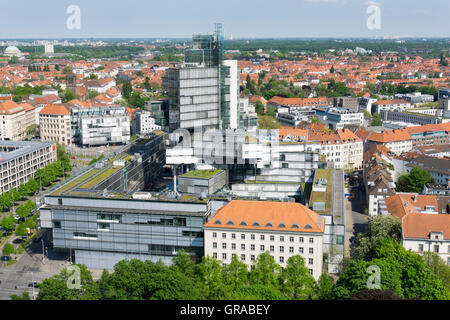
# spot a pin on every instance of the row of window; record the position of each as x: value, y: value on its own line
x: 262, y: 248
x: 262, y: 237
x: 435, y: 248
x: 253, y: 258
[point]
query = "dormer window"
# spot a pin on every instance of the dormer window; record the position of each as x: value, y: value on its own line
x: 217, y: 222
x: 230, y: 223
x: 243, y: 223
x: 281, y: 225
x: 308, y: 226
x: 256, y: 224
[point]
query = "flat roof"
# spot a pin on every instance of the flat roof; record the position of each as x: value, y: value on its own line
x: 23, y: 148
x: 201, y: 174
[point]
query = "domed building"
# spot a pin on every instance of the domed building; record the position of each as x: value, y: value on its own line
x: 12, y: 51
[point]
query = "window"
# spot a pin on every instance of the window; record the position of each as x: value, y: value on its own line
x: 214, y: 245
x: 420, y: 247
x: 243, y: 257
x: 281, y: 239
x: 224, y: 235
x: 311, y: 240
x: 262, y: 237
x: 215, y: 255
x: 242, y: 246
x: 281, y: 259
x: 291, y: 239
x: 252, y: 257
x: 252, y: 237
x: 224, y: 245
x: 233, y: 246
x: 310, y: 271
x: 233, y: 236
x: 60, y: 202
x: 214, y: 234
x: 311, y: 250
x: 436, y: 248
x: 300, y: 250
x: 449, y: 249
x: 103, y: 226
x: 224, y: 256
x: 272, y: 238
x: 301, y: 239
x: 339, y: 239
x: 310, y: 261
x: 281, y: 249
x: 252, y: 247
x: 242, y: 236
x: 261, y: 247
x: 291, y: 249
x: 57, y: 225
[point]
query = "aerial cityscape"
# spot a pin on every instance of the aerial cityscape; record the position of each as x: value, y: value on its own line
x: 225, y: 167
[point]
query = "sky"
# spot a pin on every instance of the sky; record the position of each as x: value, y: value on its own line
x: 45, y: 19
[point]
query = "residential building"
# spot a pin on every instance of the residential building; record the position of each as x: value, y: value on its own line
x: 248, y: 228
x: 286, y: 105
x: 54, y: 123
x: 19, y: 161
x: 439, y: 168
x: 16, y: 120
x: 347, y: 103
x: 397, y: 141
x: 430, y: 135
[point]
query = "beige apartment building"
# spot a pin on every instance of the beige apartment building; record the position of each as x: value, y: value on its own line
x: 249, y: 228
x: 15, y: 119
x: 54, y: 123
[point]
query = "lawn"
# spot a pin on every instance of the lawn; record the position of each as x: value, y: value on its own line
x: 73, y: 183
x: 323, y: 196
x: 99, y: 178
x: 201, y: 174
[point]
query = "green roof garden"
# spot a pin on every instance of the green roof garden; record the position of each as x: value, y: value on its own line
x: 323, y: 196
x: 201, y: 174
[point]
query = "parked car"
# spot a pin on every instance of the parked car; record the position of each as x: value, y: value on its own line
x: 6, y: 258
x: 33, y: 284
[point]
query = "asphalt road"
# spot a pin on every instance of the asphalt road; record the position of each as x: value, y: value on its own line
x: 356, y: 221
x: 15, y: 278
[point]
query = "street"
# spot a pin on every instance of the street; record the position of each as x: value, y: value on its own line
x: 30, y: 267
x: 356, y: 221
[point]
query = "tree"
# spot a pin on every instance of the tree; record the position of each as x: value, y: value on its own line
x: 92, y: 94
x: 267, y: 122
x: 379, y: 227
x: 57, y: 288
x: 259, y: 108
x: 271, y: 112
x: 366, y: 114
x: 418, y: 279
x: 209, y: 275
x: 235, y: 275
x: 184, y: 263
x: 439, y: 266
x: 32, y: 186
x: 375, y: 295
x: 126, y: 90
x: 8, y: 223
x: 315, y: 120
x: 324, y: 287
x: 414, y: 181
x: 295, y: 280
x: 6, y: 199
x: 145, y: 280
x: 66, y: 70
x: 376, y: 120
x: 21, y: 230
x: 265, y: 271
x: 24, y: 296
x: 8, y: 249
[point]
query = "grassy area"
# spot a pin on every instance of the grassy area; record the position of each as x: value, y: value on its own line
x: 10, y: 262
x: 73, y: 183
x: 99, y: 178
x: 269, y: 182
x: 201, y: 174
x: 323, y: 196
